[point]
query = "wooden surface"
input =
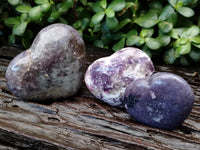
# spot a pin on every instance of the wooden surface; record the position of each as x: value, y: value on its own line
x: 83, y: 122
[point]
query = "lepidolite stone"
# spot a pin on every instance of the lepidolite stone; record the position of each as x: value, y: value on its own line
x: 107, y: 77
x: 163, y: 100
x: 53, y: 67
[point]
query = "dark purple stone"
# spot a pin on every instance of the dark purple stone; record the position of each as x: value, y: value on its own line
x: 163, y: 100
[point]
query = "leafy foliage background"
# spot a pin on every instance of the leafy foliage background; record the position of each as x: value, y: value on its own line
x: 167, y: 30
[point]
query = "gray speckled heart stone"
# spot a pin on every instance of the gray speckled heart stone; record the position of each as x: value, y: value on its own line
x: 51, y: 68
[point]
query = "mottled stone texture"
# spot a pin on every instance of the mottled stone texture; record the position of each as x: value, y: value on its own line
x: 163, y: 100
x: 51, y: 68
x: 108, y: 77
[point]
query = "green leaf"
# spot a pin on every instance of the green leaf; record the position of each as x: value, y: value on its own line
x: 132, y: 40
x: 190, y: 32
x: 196, y: 39
x: 105, y: 28
x: 84, y: 2
x: 187, y: 2
x: 64, y: 6
x: 122, y: 24
x: 169, y: 56
x: 195, y: 54
x: 97, y: 18
x: 23, y: 8
x: 119, y: 45
x: 166, y: 12
x: 106, y: 35
x: 147, y: 50
x: 85, y: 23
x: 24, y: 17
x: 183, y: 41
x: 179, y: 4
x: 180, y: 30
x: 53, y: 16
x: 35, y: 13
x: 117, y: 5
x: 183, y: 49
x: 196, y: 45
x: 146, y: 33
x: 19, y: 29
x: 111, y: 22
x: 131, y: 32
x: 26, y: 43
x: 141, y: 42
x: 148, y: 20
x: 14, y: 2
x: 62, y: 20
x: 174, y: 34
x: 11, y: 39
x: 97, y: 27
x: 51, y: 2
x: 186, y: 11
x: 77, y: 24
x: 118, y: 36
x: 27, y: 38
x: 164, y: 39
x: 165, y: 26
x: 103, y: 4
x: 172, y: 18
x: 153, y: 43
x: 172, y: 2
x: 180, y: 42
x: 12, y: 21
x: 97, y: 7
x: 45, y: 7
x: 109, y: 13
x: 98, y: 43
x: 41, y: 1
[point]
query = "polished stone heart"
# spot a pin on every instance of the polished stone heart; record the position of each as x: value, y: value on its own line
x: 107, y: 77
x: 51, y: 68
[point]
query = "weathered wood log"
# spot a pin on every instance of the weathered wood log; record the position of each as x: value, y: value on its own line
x: 83, y: 122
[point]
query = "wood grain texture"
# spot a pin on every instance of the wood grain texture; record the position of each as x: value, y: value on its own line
x: 83, y: 122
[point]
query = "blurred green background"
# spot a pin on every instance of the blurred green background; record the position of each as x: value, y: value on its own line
x: 167, y: 30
